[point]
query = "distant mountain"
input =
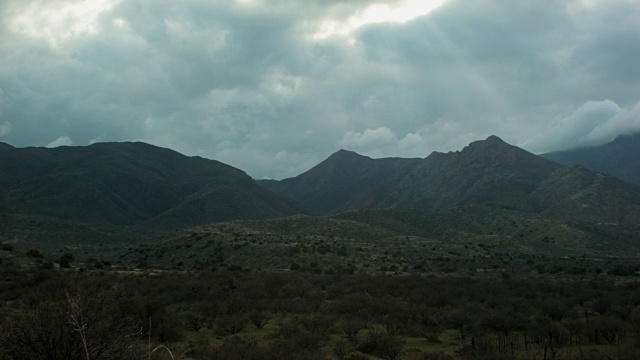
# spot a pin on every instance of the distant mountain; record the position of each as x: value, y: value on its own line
x: 620, y: 158
x: 5, y: 146
x: 329, y: 186
x: 578, y: 194
x: 484, y: 172
x: 101, y: 198
x: 488, y: 172
x: 131, y: 184
x: 492, y: 172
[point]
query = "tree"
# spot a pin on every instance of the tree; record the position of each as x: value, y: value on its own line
x: 231, y: 324
x: 381, y: 343
x: 259, y: 318
x: 430, y: 324
x: 463, y: 318
x: 550, y: 334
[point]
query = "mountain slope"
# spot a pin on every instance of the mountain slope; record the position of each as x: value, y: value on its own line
x: 131, y: 184
x: 462, y: 238
x: 488, y: 171
x: 495, y: 173
x: 5, y: 146
x: 619, y: 158
x: 577, y: 194
x: 330, y: 185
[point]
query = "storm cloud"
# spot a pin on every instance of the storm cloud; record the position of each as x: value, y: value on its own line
x: 273, y: 87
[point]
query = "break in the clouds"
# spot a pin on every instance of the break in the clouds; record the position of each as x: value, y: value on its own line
x: 273, y: 87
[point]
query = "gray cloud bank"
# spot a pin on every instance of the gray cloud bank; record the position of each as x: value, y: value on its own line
x: 255, y: 84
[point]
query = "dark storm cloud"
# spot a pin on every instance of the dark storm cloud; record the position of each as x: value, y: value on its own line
x: 267, y: 87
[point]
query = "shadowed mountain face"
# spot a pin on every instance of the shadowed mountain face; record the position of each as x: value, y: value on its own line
x: 131, y: 184
x: 331, y: 185
x: 106, y: 192
x: 620, y: 158
x: 487, y: 172
x: 5, y: 146
x: 484, y: 172
x: 580, y: 195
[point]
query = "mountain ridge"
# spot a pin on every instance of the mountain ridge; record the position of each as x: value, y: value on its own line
x: 119, y: 194
x: 618, y: 157
x: 342, y: 175
x: 127, y: 184
x: 481, y: 172
x: 485, y: 172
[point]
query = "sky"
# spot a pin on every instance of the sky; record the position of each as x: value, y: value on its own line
x: 275, y: 87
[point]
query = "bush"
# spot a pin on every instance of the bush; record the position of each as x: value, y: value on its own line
x: 624, y: 270
x: 380, y: 343
x: 66, y: 259
x: 35, y: 253
x: 53, y: 327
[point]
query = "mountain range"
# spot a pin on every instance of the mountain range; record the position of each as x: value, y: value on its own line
x: 120, y: 193
x: 130, y: 184
x: 620, y: 158
x: 334, y: 183
x: 487, y: 172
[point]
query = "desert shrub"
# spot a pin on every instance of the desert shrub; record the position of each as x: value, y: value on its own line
x: 66, y: 259
x: 231, y: 324
x: 76, y: 327
x: 35, y: 253
x: 380, y: 343
x: 305, y: 332
x: 624, y: 270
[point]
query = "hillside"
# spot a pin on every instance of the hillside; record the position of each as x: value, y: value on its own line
x: 488, y: 172
x: 55, y: 236
x: 329, y: 186
x: 618, y: 158
x: 5, y: 146
x: 496, y: 173
x: 131, y: 184
x: 126, y: 195
x: 374, y: 240
x: 484, y: 172
x: 580, y: 195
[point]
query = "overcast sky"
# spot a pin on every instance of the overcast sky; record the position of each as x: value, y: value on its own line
x: 274, y: 87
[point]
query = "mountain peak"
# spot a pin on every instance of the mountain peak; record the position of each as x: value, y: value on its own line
x: 346, y: 154
x: 491, y: 144
x: 343, y: 157
x: 494, y: 139
x: 332, y: 184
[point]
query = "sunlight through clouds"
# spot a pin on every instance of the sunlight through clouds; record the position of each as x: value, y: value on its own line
x: 56, y: 21
x: 282, y: 81
x: 399, y: 12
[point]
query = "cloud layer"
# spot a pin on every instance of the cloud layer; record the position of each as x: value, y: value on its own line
x: 275, y: 87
